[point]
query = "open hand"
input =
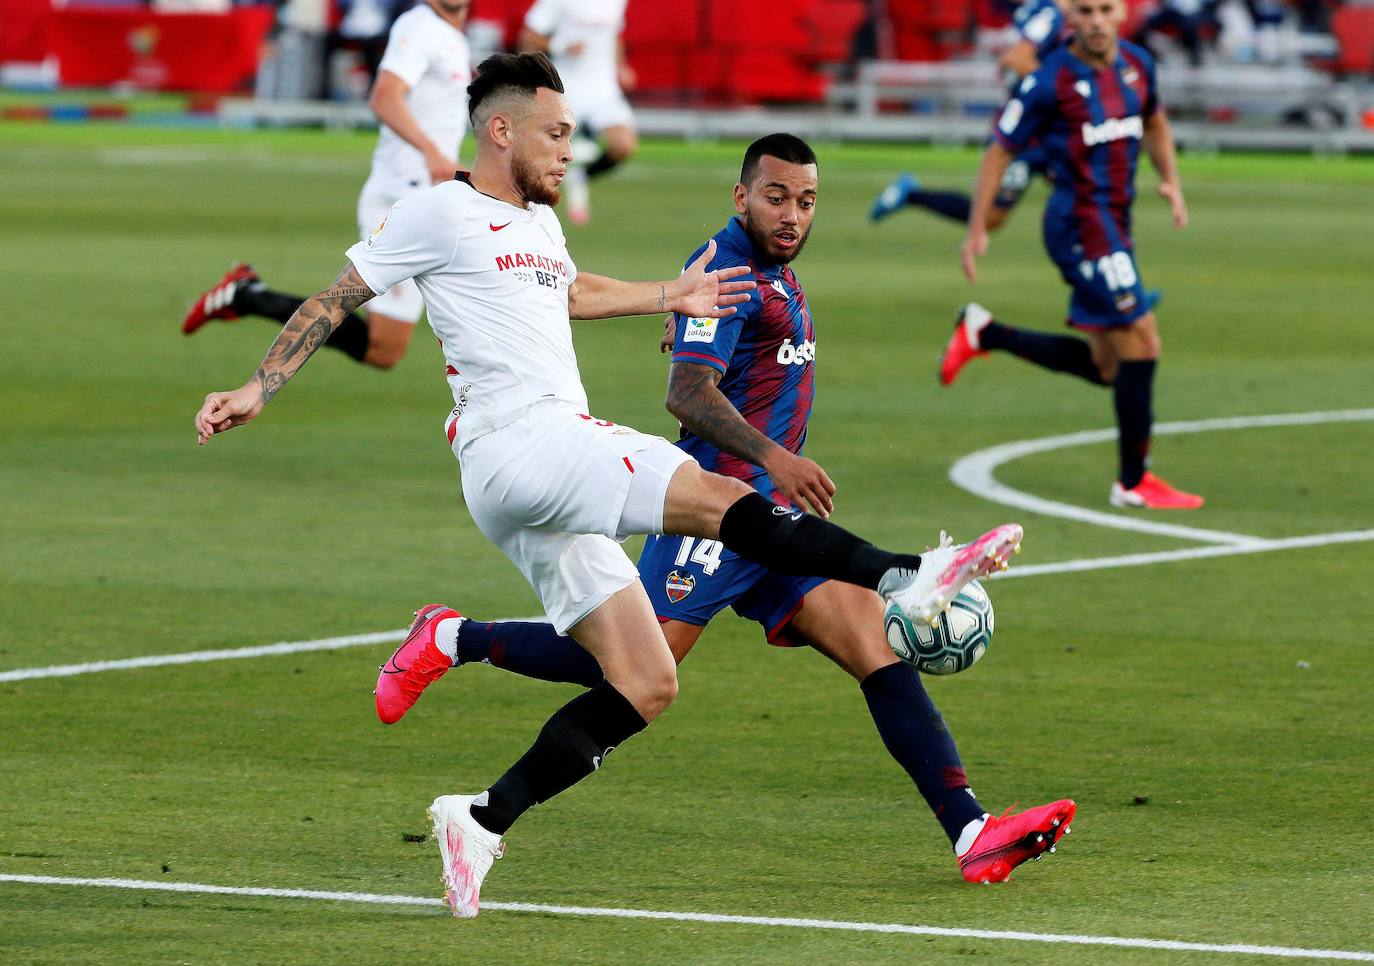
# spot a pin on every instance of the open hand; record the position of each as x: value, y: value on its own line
x: 710, y: 295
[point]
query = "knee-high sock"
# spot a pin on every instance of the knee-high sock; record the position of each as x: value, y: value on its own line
x: 792, y: 542
x: 954, y: 205
x: 570, y: 747
x: 1133, y: 394
x: 531, y: 648
x: 350, y: 337
x: 1060, y: 353
x: 915, y: 735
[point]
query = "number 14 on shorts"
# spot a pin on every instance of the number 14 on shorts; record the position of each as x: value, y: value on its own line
x: 704, y: 552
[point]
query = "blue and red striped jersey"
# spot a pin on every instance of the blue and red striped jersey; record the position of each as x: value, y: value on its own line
x: 1042, y: 23
x: 1090, y: 124
x: 767, y: 352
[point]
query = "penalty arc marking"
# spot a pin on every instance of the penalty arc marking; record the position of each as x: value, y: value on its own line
x: 974, y: 473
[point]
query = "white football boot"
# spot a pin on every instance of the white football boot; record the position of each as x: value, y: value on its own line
x: 467, y: 850
x: 924, y: 594
x: 579, y: 194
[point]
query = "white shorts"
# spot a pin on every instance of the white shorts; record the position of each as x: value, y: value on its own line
x: 403, y: 300
x: 557, y: 490
x: 600, y: 108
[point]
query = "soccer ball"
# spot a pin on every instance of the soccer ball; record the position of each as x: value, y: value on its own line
x: 958, y: 639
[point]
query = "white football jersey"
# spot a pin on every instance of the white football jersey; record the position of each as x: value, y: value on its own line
x: 596, y: 25
x: 495, y: 282
x: 432, y: 57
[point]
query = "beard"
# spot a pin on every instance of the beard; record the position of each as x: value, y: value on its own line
x: 763, y: 242
x: 530, y: 185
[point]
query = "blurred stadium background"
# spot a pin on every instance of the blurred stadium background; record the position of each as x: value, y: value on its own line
x: 1236, y: 73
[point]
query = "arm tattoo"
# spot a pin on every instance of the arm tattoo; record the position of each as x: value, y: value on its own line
x: 697, y: 402
x: 309, y: 328
x: 662, y: 297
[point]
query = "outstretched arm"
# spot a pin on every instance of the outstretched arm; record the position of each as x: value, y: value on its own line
x: 696, y: 292
x: 694, y: 397
x: 306, y: 330
x: 1159, y: 144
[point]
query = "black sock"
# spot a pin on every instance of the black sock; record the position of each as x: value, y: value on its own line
x: 799, y: 544
x: 601, y: 165
x: 1132, y: 396
x: 350, y: 337
x: 570, y: 747
x: 1060, y: 353
x: 954, y: 205
x: 916, y: 736
x: 531, y: 648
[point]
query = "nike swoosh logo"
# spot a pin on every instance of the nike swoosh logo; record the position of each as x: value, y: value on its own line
x: 496, y: 227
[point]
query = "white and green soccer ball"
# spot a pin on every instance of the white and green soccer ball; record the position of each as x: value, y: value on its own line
x: 958, y: 639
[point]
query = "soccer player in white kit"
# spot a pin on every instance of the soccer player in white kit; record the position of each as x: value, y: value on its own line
x: 420, y: 98
x: 554, y: 487
x: 583, y: 38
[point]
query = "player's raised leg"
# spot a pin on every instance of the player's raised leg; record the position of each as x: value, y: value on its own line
x: 792, y: 542
x: 976, y: 333
x: 242, y: 292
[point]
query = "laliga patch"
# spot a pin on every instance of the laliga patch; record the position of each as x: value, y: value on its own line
x: 700, y: 330
x: 679, y: 585
x: 378, y: 230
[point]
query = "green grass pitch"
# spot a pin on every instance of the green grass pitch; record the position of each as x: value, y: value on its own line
x: 1223, y: 786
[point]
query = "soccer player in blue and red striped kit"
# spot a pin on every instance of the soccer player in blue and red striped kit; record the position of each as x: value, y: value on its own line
x: 1091, y: 105
x: 742, y: 389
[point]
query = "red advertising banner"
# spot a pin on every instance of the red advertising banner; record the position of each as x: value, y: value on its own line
x: 99, y: 46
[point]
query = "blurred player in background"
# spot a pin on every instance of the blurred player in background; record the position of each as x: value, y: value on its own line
x: 741, y: 388
x: 552, y: 486
x: 583, y: 38
x: 420, y: 98
x: 1039, y: 26
x: 1091, y: 105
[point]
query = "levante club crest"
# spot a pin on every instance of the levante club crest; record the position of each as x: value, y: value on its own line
x: 679, y: 585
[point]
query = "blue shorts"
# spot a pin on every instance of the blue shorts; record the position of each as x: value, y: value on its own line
x: 693, y: 580
x: 1107, y: 288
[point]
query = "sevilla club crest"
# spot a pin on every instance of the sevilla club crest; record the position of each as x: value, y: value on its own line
x: 679, y: 585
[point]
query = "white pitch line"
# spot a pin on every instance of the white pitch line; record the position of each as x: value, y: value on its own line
x: 974, y: 472
x: 370, y: 898
x: 195, y: 657
x: 1190, y: 553
x: 1025, y: 570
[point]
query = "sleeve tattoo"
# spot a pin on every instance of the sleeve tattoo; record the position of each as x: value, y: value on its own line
x: 309, y: 328
x: 697, y: 402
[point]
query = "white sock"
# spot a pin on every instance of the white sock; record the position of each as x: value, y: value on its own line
x: 446, y: 637
x: 967, y: 836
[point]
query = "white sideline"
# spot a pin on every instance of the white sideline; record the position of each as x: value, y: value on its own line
x: 974, y: 472
x: 1172, y: 945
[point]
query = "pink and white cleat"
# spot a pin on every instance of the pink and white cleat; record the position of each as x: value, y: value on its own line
x: 415, y: 665
x: 467, y: 851
x: 925, y: 593
x: 1005, y: 841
